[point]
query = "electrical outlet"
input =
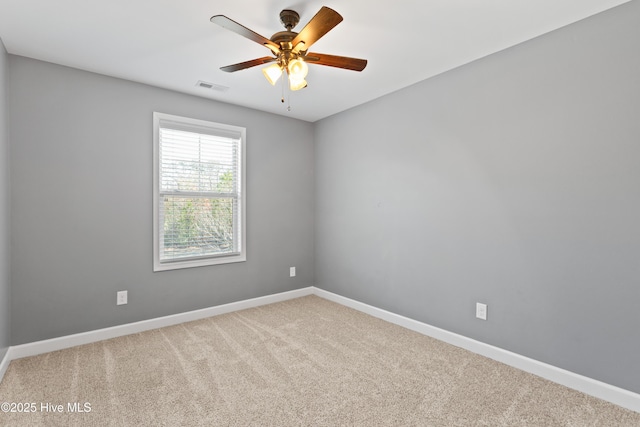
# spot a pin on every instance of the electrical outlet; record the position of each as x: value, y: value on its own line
x: 292, y: 272
x: 481, y: 311
x: 121, y: 298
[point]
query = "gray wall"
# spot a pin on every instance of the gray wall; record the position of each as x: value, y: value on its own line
x: 511, y: 181
x: 5, y: 312
x: 81, y: 174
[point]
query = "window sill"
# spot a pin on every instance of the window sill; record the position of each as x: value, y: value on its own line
x: 202, y: 262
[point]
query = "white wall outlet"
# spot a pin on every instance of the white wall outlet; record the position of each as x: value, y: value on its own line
x: 121, y: 297
x: 292, y: 272
x: 481, y: 311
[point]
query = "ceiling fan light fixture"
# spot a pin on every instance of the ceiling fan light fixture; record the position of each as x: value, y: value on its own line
x: 297, y: 84
x: 272, y: 73
x: 298, y: 69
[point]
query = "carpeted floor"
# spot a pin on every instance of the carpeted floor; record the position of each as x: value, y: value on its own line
x: 303, y: 362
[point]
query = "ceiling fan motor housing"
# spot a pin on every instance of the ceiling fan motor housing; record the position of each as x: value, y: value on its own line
x: 283, y: 39
x: 289, y: 18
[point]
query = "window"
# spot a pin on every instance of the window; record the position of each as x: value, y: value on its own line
x: 198, y: 193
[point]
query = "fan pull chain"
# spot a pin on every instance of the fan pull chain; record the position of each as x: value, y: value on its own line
x: 288, y: 94
x: 282, y: 98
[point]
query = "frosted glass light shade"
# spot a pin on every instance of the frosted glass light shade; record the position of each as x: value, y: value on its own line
x: 297, y: 84
x: 272, y: 73
x: 298, y: 69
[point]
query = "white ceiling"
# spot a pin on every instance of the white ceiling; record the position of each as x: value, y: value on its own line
x: 172, y: 44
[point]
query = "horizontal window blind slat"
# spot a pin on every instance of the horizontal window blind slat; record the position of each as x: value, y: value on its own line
x: 200, y: 195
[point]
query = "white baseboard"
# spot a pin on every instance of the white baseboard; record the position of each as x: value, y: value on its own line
x: 54, y: 344
x: 615, y: 395
x: 4, y: 363
x: 604, y: 391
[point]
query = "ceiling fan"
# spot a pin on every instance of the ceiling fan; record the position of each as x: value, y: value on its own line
x: 290, y: 49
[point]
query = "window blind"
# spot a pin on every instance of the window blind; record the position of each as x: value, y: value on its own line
x: 199, y: 194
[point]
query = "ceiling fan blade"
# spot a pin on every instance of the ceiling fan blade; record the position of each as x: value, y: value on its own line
x: 320, y: 24
x: 347, y: 63
x: 248, y: 64
x: 232, y: 25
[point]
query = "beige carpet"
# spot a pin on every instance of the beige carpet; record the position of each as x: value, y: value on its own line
x: 306, y: 362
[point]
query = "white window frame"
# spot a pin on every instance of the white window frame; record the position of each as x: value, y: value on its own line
x: 240, y: 237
